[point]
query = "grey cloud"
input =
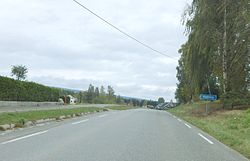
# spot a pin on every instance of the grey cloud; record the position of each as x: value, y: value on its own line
x: 63, y: 45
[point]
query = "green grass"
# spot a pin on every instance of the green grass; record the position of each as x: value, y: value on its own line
x: 122, y: 107
x: 230, y: 127
x: 21, y: 117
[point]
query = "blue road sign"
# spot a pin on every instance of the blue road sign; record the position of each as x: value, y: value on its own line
x: 208, y: 97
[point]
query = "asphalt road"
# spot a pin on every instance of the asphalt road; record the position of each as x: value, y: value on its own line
x: 133, y: 135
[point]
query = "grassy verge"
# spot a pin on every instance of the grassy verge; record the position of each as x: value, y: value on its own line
x: 121, y: 107
x: 19, y: 118
x: 230, y: 127
x: 22, y: 117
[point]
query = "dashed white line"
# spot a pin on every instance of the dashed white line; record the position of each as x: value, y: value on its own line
x: 103, y: 115
x: 188, y: 125
x: 210, y: 142
x: 24, y: 137
x: 40, y: 124
x: 179, y: 120
x: 78, y: 122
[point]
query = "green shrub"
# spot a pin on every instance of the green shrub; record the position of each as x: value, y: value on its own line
x: 14, y: 90
x: 20, y: 122
x: 232, y: 99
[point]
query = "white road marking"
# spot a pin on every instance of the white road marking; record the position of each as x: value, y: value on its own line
x: 174, y: 116
x: 78, y: 122
x: 205, y: 138
x: 188, y: 125
x: 103, y: 115
x: 40, y: 124
x: 24, y: 137
x: 179, y: 120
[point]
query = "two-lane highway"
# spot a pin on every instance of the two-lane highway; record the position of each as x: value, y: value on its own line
x: 133, y: 135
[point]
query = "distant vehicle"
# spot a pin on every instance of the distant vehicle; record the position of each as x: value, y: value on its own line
x: 150, y: 106
x: 159, y: 106
x: 166, y: 105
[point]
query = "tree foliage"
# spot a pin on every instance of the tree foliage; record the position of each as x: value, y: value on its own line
x: 102, y: 96
x: 14, y: 90
x: 19, y: 71
x: 94, y: 95
x: 161, y: 100
x: 215, y: 59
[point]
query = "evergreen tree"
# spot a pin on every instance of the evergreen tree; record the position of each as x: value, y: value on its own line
x: 97, y: 93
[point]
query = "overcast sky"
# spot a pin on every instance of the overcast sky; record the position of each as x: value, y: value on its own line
x: 65, y: 46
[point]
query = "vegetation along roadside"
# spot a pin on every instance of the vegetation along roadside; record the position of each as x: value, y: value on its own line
x: 21, y: 118
x: 231, y: 127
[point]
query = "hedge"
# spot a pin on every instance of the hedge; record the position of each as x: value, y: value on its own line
x: 14, y: 90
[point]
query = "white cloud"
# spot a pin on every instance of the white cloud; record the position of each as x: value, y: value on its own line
x: 65, y: 46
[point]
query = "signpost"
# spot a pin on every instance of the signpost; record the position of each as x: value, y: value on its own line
x: 208, y: 97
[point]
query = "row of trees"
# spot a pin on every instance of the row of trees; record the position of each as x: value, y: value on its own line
x: 96, y: 95
x: 107, y: 96
x: 216, y: 57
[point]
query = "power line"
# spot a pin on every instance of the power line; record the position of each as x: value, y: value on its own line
x: 121, y: 31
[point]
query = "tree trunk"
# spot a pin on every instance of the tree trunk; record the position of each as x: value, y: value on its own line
x: 208, y: 86
x: 224, y: 52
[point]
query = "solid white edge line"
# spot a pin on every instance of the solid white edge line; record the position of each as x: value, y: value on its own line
x: 103, y: 115
x: 188, y: 125
x: 24, y: 137
x: 78, y: 122
x: 205, y: 138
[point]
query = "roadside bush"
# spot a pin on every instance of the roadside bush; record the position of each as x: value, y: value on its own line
x: 1, y: 128
x: 232, y: 99
x: 105, y: 109
x: 21, y: 122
